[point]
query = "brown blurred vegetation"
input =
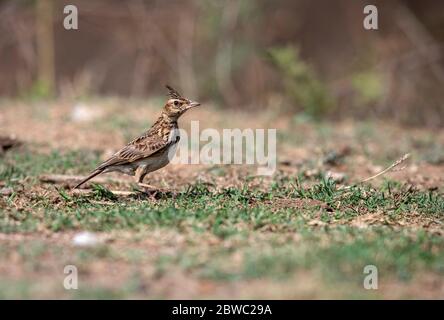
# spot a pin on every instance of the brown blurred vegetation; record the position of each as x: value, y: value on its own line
x: 288, y: 55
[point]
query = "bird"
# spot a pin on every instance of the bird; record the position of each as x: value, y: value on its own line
x: 154, y: 148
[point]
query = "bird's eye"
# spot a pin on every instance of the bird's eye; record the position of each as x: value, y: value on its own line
x: 176, y: 103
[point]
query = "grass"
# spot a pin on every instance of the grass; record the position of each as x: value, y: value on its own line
x: 221, y: 212
x: 26, y: 163
x: 199, y: 203
x: 291, y: 235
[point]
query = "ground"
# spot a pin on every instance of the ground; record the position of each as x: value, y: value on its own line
x: 219, y: 231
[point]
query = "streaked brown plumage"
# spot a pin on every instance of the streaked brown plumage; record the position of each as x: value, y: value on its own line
x: 152, y: 150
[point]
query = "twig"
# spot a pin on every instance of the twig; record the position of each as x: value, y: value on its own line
x: 61, y: 178
x: 390, y: 168
x: 395, y: 164
x: 115, y: 192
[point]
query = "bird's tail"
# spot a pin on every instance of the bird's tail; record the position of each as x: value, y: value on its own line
x: 92, y: 175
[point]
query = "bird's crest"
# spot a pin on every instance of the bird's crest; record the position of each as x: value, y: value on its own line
x: 173, y: 93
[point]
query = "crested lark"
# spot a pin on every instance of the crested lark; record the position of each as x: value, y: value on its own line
x: 152, y: 150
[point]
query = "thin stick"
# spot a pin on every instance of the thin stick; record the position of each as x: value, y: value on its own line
x: 395, y: 164
x: 390, y: 168
x: 61, y: 178
x: 115, y: 192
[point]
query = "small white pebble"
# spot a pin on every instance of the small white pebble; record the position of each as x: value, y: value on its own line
x: 336, y: 176
x: 85, y: 239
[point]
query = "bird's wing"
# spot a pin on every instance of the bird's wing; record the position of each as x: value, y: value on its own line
x: 137, y: 149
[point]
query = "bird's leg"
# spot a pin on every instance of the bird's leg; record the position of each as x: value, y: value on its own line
x: 147, y: 186
x: 141, y: 172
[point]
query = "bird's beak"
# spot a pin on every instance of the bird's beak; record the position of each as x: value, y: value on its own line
x: 193, y: 104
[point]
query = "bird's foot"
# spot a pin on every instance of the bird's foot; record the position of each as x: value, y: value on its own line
x: 147, y: 186
x: 152, y: 191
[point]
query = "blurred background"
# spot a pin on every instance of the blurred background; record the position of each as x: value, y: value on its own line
x: 346, y: 103
x: 310, y: 57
